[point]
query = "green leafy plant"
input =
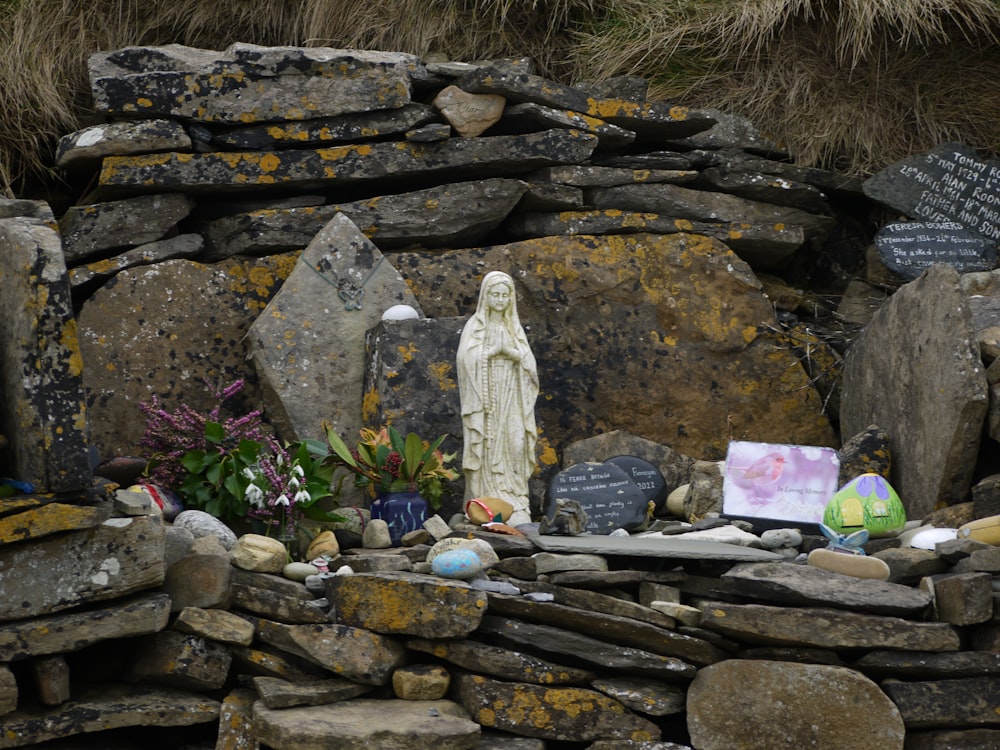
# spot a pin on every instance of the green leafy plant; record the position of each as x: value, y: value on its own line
x: 384, y: 461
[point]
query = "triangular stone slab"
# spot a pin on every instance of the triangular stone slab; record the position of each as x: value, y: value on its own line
x: 308, y: 345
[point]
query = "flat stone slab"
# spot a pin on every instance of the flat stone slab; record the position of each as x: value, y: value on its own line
x: 363, y: 724
x: 653, y: 546
x: 111, y: 707
x: 371, y: 163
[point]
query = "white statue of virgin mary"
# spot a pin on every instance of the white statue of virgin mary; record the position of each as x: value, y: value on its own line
x: 498, y: 385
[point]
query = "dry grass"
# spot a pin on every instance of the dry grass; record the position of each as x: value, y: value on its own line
x: 851, y: 83
x: 854, y: 84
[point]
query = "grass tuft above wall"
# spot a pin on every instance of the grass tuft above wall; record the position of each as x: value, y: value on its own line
x: 851, y: 84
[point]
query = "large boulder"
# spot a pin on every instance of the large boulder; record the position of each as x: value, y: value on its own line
x: 916, y: 372
x: 661, y: 335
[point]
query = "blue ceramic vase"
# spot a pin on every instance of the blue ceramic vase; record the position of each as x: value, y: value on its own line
x: 403, y: 512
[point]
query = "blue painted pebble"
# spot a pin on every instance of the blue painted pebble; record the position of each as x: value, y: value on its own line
x: 457, y: 563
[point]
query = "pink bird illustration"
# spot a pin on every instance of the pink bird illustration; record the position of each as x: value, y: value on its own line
x: 763, y: 471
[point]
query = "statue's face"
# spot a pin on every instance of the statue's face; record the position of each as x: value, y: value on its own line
x: 498, y: 297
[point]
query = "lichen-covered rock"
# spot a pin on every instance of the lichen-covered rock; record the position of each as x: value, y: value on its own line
x: 407, y: 603
x: 43, y: 413
x: 246, y: 83
x: 677, y: 320
x: 202, y: 315
x: 573, y: 714
x: 116, y: 558
x: 370, y: 164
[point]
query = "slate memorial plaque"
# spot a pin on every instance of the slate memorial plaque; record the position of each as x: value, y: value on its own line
x: 787, y: 483
x: 645, y: 476
x: 604, y: 491
x: 950, y: 183
x: 908, y: 248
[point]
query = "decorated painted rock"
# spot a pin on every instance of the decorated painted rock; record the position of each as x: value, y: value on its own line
x: 866, y: 502
x: 457, y: 563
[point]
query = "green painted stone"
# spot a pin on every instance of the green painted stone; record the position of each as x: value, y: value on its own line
x: 866, y: 502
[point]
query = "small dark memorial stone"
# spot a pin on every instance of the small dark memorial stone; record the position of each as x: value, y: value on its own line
x: 950, y: 183
x: 604, y: 491
x: 645, y: 476
x: 909, y: 248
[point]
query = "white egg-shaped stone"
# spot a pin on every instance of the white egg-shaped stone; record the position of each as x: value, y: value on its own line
x: 400, y: 312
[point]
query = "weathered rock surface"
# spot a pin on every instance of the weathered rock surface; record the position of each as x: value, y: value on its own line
x: 826, y: 628
x: 446, y: 215
x: 371, y: 165
x: 87, y: 230
x: 969, y: 701
x: 362, y: 724
x: 710, y: 334
x: 556, y: 713
x: 43, y: 413
x: 934, y: 467
x: 277, y: 693
x: 180, y: 660
x: 75, y: 630
x: 353, y: 653
x: 407, y: 604
x: 799, y: 585
x: 108, y: 707
x: 550, y: 640
x: 202, y: 315
x: 49, y: 518
x: 739, y: 705
x: 247, y: 83
x: 119, y: 557
x: 308, y: 343
x: 501, y: 662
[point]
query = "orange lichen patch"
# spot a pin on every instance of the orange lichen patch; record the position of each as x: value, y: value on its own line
x: 71, y: 343
x: 48, y: 519
x: 407, y: 352
x: 369, y: 404
x: 143, y: 102
x: 270, y: 162
x: 487, y: 717
x: 640, y: 175
x: 441, y: 372
x: 679, y: 113
x: 547, y: 455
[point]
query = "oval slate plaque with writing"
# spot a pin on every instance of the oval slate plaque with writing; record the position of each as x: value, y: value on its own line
x: 604, y: 491
x: 908, y: 248
x: 645, y: 476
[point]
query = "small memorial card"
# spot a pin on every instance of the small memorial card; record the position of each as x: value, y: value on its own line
x: 791, y: 483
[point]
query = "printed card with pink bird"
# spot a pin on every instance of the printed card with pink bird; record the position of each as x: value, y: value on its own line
x: 779, y: 482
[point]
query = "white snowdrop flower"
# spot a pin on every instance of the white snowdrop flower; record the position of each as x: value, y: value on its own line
x: 248, y: 473
x: 255, y: 496
x: 282, y: 500
x: 302, y: 497
x: 298, y: 471
x: 294, y: 483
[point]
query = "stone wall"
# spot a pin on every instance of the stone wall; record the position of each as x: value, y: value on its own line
x: 586, y: 642
x: 315, y: 188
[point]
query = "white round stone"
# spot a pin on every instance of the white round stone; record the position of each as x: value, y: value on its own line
x: 400, y: 312
x: 299, y: 571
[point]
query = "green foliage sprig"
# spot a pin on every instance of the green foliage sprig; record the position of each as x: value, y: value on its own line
x: 384, y: 461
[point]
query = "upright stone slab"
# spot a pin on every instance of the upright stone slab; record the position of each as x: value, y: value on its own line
x: 119, y: 557
x: 42, y: 409
x: 950, y: 183
x: 247, y: 84
x: 916, y: 372
x: 308, y: 346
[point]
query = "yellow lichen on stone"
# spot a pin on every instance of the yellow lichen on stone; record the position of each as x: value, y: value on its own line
x: 547, y: 455
x: 679, y: 113
x: 369, y: 404
x: 441, y: 372
x: 407, y: 352
x: 71, y: 343
x: 487, y: 717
